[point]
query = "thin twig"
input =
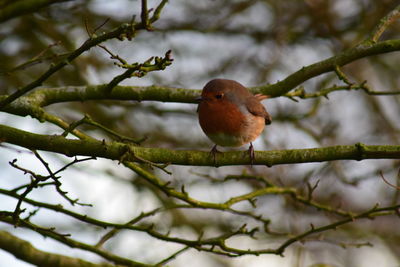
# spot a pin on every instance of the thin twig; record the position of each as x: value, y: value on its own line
x: 173, y: 256
x: 387, y: 182
x: 384, y: 24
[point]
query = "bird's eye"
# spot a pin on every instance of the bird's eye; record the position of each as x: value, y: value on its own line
x: 219, y: 96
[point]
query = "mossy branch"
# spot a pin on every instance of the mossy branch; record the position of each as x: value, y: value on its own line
x: 305, y: 73
x: 121, y: 151
x: 47, y: 96
x: 65, y: 239
x: 25, y: 251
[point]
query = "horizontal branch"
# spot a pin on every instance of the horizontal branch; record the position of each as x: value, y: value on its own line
x: 31, y: 104
x: 124, y: 152
x: 23, y: 250
x: 301, y: 93
x: 47, y: 96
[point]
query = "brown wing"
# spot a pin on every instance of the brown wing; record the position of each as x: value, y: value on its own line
x: 255, y: 107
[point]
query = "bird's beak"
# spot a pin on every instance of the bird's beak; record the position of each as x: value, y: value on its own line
x: 199, y: 99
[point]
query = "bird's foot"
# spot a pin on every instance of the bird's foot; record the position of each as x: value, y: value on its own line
x: 251, y: 154
x: 214, y: 152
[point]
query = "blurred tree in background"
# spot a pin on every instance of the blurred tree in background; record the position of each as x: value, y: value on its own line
x: 95, y: 163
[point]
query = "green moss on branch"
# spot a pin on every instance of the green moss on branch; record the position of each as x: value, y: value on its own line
x: 123, y: 152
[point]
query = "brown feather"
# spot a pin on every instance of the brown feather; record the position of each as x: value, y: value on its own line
x: 255, y: 107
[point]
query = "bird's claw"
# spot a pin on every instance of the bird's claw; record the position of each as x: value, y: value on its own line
x: 214, y: 152
x: 251, y: 154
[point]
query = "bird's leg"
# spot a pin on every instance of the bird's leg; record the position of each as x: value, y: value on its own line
x: 251, y: 153
x: 213, y: 152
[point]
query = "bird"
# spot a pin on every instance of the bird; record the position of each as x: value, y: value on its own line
x: 230, y: 115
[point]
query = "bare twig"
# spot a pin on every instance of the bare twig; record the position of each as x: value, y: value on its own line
x: 88, y: 120
x: 383, y: 25
x: 113, y: 56
x: 145, y: 15
x: 55, y: 178
x: 35, y: 180
x: 140, y: 70
x: 311, y: 190
x: 173, y: 256
x: 387, y: 182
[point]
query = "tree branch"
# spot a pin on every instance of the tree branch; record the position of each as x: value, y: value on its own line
x: 383, y: 24
x: 25, y: 251
x: 64, y: 239
x: 124, y: 152
x: 301, y: 93
x: 305, y: 73
x: 19, y: 8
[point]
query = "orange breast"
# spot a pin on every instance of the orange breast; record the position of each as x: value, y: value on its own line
x: 220, y: 117
x: 226, y: 125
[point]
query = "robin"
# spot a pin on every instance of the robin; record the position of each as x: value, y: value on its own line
x: 230, y: 115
